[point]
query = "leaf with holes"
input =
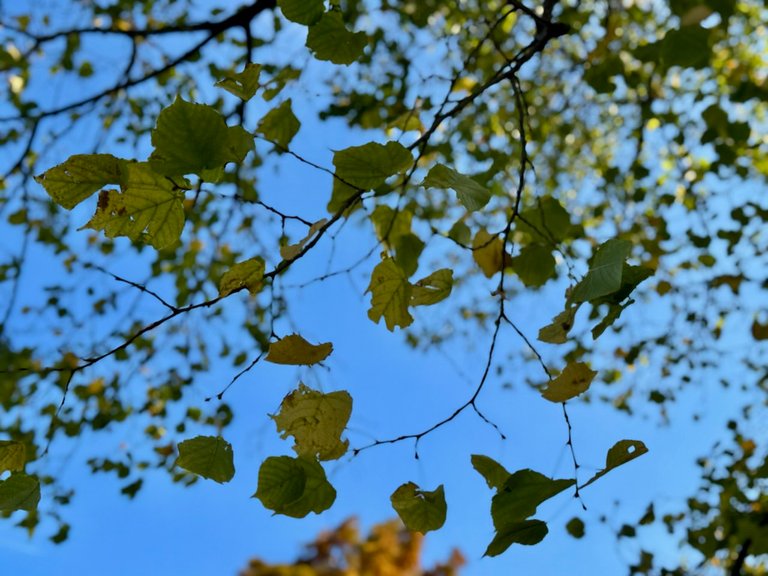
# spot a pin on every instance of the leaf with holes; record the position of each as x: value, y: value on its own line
x: 293, y: 349
x: 622, y: 452
x: 81, y: 176
x: 294, y: 486
x: 207, y: 456
x: 420, y: 510
x: 557, y: 331
x: 243, y: 84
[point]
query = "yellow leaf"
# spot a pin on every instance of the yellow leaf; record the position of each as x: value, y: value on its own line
x: 390, y: 295
x: 294, y: 349
x: 574, y: 380
x: 488, y: 252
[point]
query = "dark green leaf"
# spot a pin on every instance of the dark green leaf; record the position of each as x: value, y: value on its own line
x: 420, y: 510
x: 330, y: 40
x: 305, y: 12
x: 19, y: 492
x: 622, y: 452
x: 494, y: 473
x: 526, y: 532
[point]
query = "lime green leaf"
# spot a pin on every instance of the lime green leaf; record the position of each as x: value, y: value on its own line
x: 433, y: 288
x: 341, y: 195
x: 622, y: 452
x: 194, y: 138
x: 330, y: 40
x: 575, y: 527
x: 391, y: 224
x: 280, y: 125
x: 526, y: 532
x: 557, y: 331
x: 369, y: 165
x: 79, y: 177
x: 294, y: 486
x: 574, y: 380
x: 494, y: 473
x: 13, y: 456
x: 605, y: 272
x: 316, y: 422
x: 521, y: 495
x: 471, y: 194
x: 390, y: 295
x: 19, y: 492
x: 293, y: 349
x: 488, y: 253
x: 293, y: 250
x: 534, y: 265
x: 305, y: 12
x: 207, y: 456
x: 149, y: 208
x: 247, y: 274
x: 243, y: 84
x: 420, y: 510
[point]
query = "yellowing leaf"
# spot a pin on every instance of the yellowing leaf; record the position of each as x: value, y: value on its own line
x: 279, y: 125
x: 305, y: 12
x: 207, y: 456
x: 390, y: 295
x: 293, y: 349
x: 471, y: 194
x: 316, y: 422
x: 243, y: 84
x: 488, y: 253
x: 369, y: 165
x: 433, y: 288
x: 420, y: 510
x: 622, y: 452
x: 294, y: 486
x: 293, y: 250
x: 13, y: 456
x: 330, y: 40
x: 79, y: 177
x: 574, y: 380
x: 248, y: 274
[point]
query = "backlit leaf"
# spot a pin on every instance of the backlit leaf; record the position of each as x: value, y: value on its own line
x: 488, y: 252
x: 330, y: 40
x: 574, y: 380
x: 557, y: 331
x: 243, y: 84
x: 605, y: 271
x: 526, y: 532
x: 316, y: 422
x: 207, y: 456
x: 81, y: 176
x: 294, y: 486
x: 494, y: 473
x: 293, y: 349
x: 248, y: 274
x: 420, y: 510
x: 390, y: 295
x: 622, y: 452
x: 534, y: 265
x: 433, y: 288
x: 13, y: 456
x: 521, y: 495
x: 279, y: 125
x: 305, y: 12
x: 19, y: 492
x: 293, y: 250
x: 369, y: 165
x: 471, y: 194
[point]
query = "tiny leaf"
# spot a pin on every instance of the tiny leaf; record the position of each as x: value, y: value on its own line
x: 294, y: 486
x: 575, y: 527
x: 293, y: 250
x: 207, y: 456
x: 574, y: 380
x: 293, y: 349
x: 247, y: 274
x: 420, y: 510
x: 471, y: 194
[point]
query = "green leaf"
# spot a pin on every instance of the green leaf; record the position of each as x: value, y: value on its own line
x: 557, y: 331
x: 494, y: 473
x: 614, y: 312
x: 622, y: 452
x: 369, y: 165
x: 79, y: 177
x: 330, y: 40
x: 247, y: 274
x: 316, y: 422
x: 390, y: 295
x: 488, y: 253
x: 575, y: 528
x: 207, y: 456
x: 293, y: 250
x: 521, y: 495
x: 527, y: 532
x: 19, y: 492
x: 305, y: 12
x: 149, y: 208
x: 433, y: 288
x: 471, y: 194
x: 294, y: 486
x: 547, y: 222
x: 534, y: 265
x: 280, y: 125
x: 195, y: 139
x: 687, y: 46
x: 243, y: 84
x: 341, y: 195
x: 391, y: 224
x: 420, y: 510
x: 408, y: 248
x: 13, y: 456
x: 293, y: 349
x: 605, y: 272
x: 572, y: 381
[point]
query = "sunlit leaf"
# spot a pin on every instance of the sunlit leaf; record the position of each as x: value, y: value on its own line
x: 13, y: 456
x: 605, y: 271
x: 488, y: 253
x: 572, y: 381
x: 420, y: 510
x: 248, y: 274
x: 279, y: 125
x: 19, y: 492
x: 293, y: 349
x: 622, y: 452
x: 81, y: 176
x: 316, y: 422
x: 433, y: 288
x: 390, y: 295
x: 329, y: 39
x: 369, y: 165
x: 294, y: 486
x: 243, y: 84
x: 471, y: 194
x: 207, y: 456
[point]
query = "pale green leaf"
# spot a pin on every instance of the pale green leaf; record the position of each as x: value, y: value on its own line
x: 79, y: 177
x: 433, y: 288
x: 526, y: 532
x: 293, y: 250
x: 420, y: 510
x: 280, y: 125
x: 207, y: 456
x: 248, y: 274
x: 471, y: 194
x: 329, y: 39
x: 13, y: 456
x: 622, y: 452
x: 494, y: 473
x: 557, y: 331
x: 243, y: 84
x: 369, y: 165
x: 605, y: 271
x: 316, y: 422
x: 391, y: 224
x: 195, y: 139
x: 305, y: 12
x: 293, y: 349
x: 572, y: 381
x: 390, y: 295
x: 294, y: 486
x: 19, y: 492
